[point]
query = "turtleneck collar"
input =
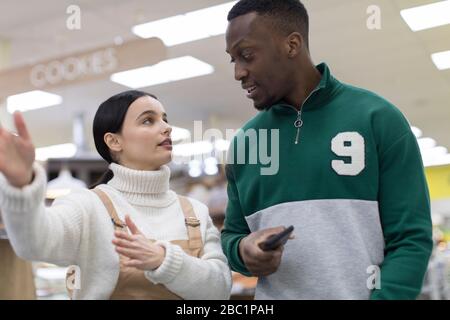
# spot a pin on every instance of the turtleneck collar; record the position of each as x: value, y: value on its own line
x: 325, y: 90
x: 142, y: 187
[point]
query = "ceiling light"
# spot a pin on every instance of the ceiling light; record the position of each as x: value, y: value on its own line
x: 32, y: 100
x: 192, y: 149
x: 426, y: 143
x: 441, y: 60
x: 427, y: 16
x: 438, y: 161
x: 195, y: 25
x: 163, y: 72
x: 180, y: 134
x: 417, y: 132
x: 67, y: 150
x: 222, y: 145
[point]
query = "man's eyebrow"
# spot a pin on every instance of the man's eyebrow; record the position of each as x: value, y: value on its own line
x: 236, y: 44
x: 151, y: 112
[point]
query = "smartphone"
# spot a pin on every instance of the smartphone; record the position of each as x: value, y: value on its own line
x: 276, y: 240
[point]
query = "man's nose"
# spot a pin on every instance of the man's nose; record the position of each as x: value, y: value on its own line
x: 239, y: 72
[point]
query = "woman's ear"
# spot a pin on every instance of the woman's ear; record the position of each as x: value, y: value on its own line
x: 113, y: 142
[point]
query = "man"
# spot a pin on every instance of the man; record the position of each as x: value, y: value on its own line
x: 350, y: 175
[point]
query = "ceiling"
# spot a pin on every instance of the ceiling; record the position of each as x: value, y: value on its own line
x: 394, y: 61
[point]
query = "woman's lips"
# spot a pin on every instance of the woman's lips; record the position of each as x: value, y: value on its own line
x: 167, y: 144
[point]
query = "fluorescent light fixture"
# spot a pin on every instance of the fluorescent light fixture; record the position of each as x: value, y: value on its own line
x: 222, y: 145
x: 180, y: 134
x: 67, y: 150
x: 187, y: 27
x: 427, y: 16
x: 433, y: 153
x: 166, y: 71
x: 192, y: 149
x: 426, y: 143
x: 32, y: 100
x: 438, y: 161
x: 441, y: 60
x: 417, y: 132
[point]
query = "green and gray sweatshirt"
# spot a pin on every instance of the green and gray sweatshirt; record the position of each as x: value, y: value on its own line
x: 350, y: 179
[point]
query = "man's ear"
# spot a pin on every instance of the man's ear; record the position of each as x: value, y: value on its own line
x: 294, y: 44
x: 113, y: 142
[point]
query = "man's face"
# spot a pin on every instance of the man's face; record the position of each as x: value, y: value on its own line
x: 261, y: 65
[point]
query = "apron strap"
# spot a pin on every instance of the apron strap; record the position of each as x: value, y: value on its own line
x: 118, y: 224
x: 192, y: 224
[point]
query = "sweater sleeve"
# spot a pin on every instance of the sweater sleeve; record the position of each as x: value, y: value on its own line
x: 38, y: 233
x: 205, y: 278
x: 405, y: 218
x: 236, y: 227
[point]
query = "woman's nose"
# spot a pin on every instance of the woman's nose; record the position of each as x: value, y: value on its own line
x: 167, y: 129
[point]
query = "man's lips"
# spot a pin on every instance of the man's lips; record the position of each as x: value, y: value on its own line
x: 249, y: 88
x: 251, y: 91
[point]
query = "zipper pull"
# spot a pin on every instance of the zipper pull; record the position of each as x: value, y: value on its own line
x: 298, y: 124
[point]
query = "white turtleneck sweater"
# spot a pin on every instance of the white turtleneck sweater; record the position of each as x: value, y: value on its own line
x: 77, y: 230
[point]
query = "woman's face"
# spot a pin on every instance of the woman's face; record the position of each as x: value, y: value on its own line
x: 144, y: 142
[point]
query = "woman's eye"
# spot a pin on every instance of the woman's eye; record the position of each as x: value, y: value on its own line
x: 148, y: 121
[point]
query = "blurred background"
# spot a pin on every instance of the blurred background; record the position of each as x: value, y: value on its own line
x: 60, y: 59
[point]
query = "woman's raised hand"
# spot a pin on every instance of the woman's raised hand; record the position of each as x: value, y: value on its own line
x: 17, y: 154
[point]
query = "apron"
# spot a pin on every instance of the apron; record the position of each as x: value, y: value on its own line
x: 132, y: 283
x: 16, y: 275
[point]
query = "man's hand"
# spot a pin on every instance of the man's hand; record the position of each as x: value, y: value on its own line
x: 257, y: 261
x: 143, y: 254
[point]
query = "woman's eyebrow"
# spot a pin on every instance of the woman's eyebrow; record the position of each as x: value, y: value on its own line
x: 151, y: 112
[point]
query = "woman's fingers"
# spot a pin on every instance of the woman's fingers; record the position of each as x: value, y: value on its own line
x: 125, y: 236
x: 133, y: 263
x: 21, y: 126
x: 130, y: 253
x: 124, y: 243
x: 133, y: 228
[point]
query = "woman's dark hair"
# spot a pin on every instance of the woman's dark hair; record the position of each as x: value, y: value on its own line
x: 109, y: 118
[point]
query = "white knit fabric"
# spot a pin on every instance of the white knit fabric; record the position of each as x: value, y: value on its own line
x: 77, y: 230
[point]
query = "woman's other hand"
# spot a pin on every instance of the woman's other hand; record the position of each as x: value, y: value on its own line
x: 143, y: 254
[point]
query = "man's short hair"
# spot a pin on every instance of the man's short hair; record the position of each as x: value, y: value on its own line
x: 287, y: 15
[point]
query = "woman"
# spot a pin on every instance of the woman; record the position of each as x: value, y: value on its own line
x: 130, y: 237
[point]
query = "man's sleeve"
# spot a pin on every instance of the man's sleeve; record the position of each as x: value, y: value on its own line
x: 405, y: 218
x: 235, y: 228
